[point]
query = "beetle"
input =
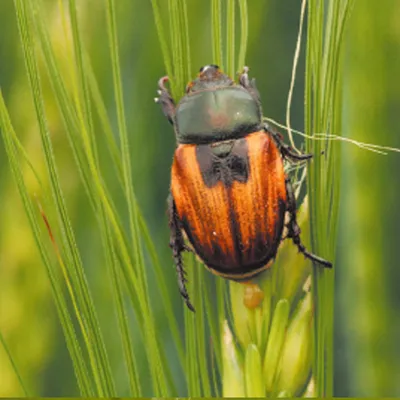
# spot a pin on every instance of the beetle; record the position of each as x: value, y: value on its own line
x: 229, y: 193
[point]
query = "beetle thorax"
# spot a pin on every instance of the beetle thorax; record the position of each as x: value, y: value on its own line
x: 215, y: 108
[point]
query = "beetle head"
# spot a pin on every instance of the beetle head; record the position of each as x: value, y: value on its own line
x: 209, y: 77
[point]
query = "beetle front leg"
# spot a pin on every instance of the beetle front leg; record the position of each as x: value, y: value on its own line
x: 249, y: 85
x: 286, y: 150
x: 178, y: 246
x: 294, y: 229
x: 166, y: 100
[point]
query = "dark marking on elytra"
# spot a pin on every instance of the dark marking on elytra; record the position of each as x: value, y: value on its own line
x: 259, y: 246
x: 236, y: 235
x: 204, y: 252
x: 224, y: 161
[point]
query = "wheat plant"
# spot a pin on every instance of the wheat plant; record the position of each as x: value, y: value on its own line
x: 281, y: 348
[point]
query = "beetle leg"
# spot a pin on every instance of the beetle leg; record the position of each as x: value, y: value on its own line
x: 178, y: 246
x: 286, y: 150
x: 294, y: 230
x: 249, y: 85
x: 244, y: 78
x: 187, y: 248
x: 166, y: 100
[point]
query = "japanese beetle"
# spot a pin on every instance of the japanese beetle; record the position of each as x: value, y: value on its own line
x: 229, y: 192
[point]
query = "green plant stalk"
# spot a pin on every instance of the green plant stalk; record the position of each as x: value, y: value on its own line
x: 90, y: 332
x: 125, y: 152
x: 176, y: 46
x: 370, y: 205
x: 158, y: 372
x: 139, y: 292
x: 243, y: 33
x: 146, y: 236
x: 106, y: 125
x: 78, y: 47
x: 101, y: 110
x: 253, y: 372
x: 79, y: 363
x: 216, y: 27
x: 184, y: 24
x: 130, y: 359
x: 323, y: 114
x: 296, y: 357
x: 87, y: 120
x: 275, y: 342
x: 318, y: 330
x: 213, y: 290
x: 106, y: 235
x: 230, y: 37
x: 89, y: 164
x: 154, y: 364
x: 101, y: 352
x: 199, y: 381
x: 232, y: 378
x: 200, y: 322
x: 14, y: 365
x: 84, y: 92
x: 161, y: 37
x: 192, y: 328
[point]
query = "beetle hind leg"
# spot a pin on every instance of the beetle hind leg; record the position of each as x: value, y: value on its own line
x: 177, y: 254
x: 286, y: 151
x: 294, y: 230
x: 178, y: 246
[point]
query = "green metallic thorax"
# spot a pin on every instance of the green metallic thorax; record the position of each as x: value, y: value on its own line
x: 217, y: 113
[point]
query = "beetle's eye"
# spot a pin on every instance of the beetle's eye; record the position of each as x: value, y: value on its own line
x: 201, y: 69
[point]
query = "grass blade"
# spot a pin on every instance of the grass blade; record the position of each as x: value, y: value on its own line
x: 14, y: 365
x: 158, y: 371
x: 79, y: 363
x: 69, y: 245
x: 243, y: 33
x: 216, y: 13
x: 230, y: 38
x: 97, y: 188
x: 322, y: 114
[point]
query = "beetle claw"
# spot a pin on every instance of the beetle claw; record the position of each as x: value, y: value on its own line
x: 165, y: 99
x: 187, y: 248
x: 161, y: 83
x: 189, y: 305
x: 244, y: 77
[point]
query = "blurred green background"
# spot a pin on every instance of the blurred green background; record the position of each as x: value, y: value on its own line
x: 367, y: 321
